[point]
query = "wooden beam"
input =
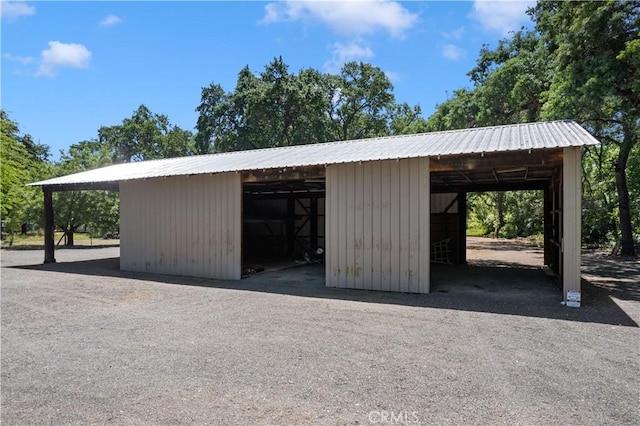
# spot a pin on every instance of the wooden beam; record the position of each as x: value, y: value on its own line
x: 496, y: 160
x: 283, y: 195
x: 295, y: 173
x: 49, y: 248
x: 491, y: 187
x: 495, y: 175
x: 465, y: 176
x: 96, y: 186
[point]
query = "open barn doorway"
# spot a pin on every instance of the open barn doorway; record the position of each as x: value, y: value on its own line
x: 485, y: 208
x: 505, y: 229
x: 488, y: 241
x: 283, y: 224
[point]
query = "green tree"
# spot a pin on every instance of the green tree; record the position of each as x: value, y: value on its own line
x: 146, y: 136
x: 275, y: 108
x: 458, y: 112
x: 581, y: 62
x: 23, y: 161
x: 94, y: 210
x: 362, y: 102
x: 213, y: 120
x: 508, y: 86
x: 406, y: 120
x: 278, y: 108
x: 596, y: 63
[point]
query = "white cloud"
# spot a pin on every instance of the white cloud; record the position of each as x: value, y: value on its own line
x: 110, y: 20
x: 15, y: 9
x: 343, y: 53
x: 63, y: 55
x: 346, y: 17
x: 272, y: 14
x: 393, y: 76
x: 452, y: 52
x: 21, y: 59
x: 501, y: 16
x: 455, y: 34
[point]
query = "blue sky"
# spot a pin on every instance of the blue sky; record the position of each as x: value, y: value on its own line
x: 70, y: 67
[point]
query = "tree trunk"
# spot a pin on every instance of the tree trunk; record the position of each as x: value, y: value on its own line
x: 500, y: 211
x: 626, y: 230
x: 69, y: 239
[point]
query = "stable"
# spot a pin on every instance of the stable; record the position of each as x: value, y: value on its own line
x: 380, y: 208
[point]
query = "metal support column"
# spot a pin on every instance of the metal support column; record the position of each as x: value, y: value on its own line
x: 313, y: 222
x: 548, y: 225
x: 462, y: 227
x: 49, y: 250
x: 291, y: 226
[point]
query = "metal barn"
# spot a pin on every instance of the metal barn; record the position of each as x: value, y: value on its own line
x: 379, y: 207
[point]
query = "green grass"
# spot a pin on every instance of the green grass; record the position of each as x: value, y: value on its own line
x: 476, y: 231
x: 36, y: 240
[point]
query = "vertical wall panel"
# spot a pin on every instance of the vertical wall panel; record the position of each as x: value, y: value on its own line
x: 376, y: 266
x: 202, y: 247
x: 150, y: 259
x: 394, y: 228
x: 342, y: 222
x: 385, y: 225
x: 126, y: 218
x: 424, y: 208
x: 571, y: 218
x: 414, y: 227
x: 359, y: 249
x: 350, y: 226
x: 234, y: 228
x: 367, y: 222
x: 182, y: 226
x: 405, y: 228
x: 378, y: 225
x: 331, y: 220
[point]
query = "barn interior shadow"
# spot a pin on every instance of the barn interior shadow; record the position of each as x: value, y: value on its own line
x: 477, y: 288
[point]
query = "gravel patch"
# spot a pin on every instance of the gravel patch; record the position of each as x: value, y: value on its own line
x: 86, y: 343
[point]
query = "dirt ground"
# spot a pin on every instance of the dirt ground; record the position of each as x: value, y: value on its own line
x: 86, y: 343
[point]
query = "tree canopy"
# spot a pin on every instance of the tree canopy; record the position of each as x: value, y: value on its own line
x: 145, y: 136
x: 23, y: 161
x: 581, y: 62
x: 279, y: 108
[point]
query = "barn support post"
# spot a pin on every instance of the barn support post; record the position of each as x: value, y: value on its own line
x: 548, y: 226
x: 290, y: 226
x: 571, y: 221
x: 462, y: 227
x: 313, y: 221
x: 49, y: 249
x: 424, y: 200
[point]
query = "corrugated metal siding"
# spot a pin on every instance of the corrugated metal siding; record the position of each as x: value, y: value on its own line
x: 182, y: 226
x: 571, y: 219
x: 557, y: 134
x: 378, y: 223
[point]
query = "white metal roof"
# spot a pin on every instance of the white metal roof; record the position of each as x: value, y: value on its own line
x: 555, y: 134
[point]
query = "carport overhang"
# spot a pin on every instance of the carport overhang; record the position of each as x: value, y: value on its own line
x: 49, y: 225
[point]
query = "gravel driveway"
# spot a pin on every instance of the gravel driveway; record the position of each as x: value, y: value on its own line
x: 84, y: 343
